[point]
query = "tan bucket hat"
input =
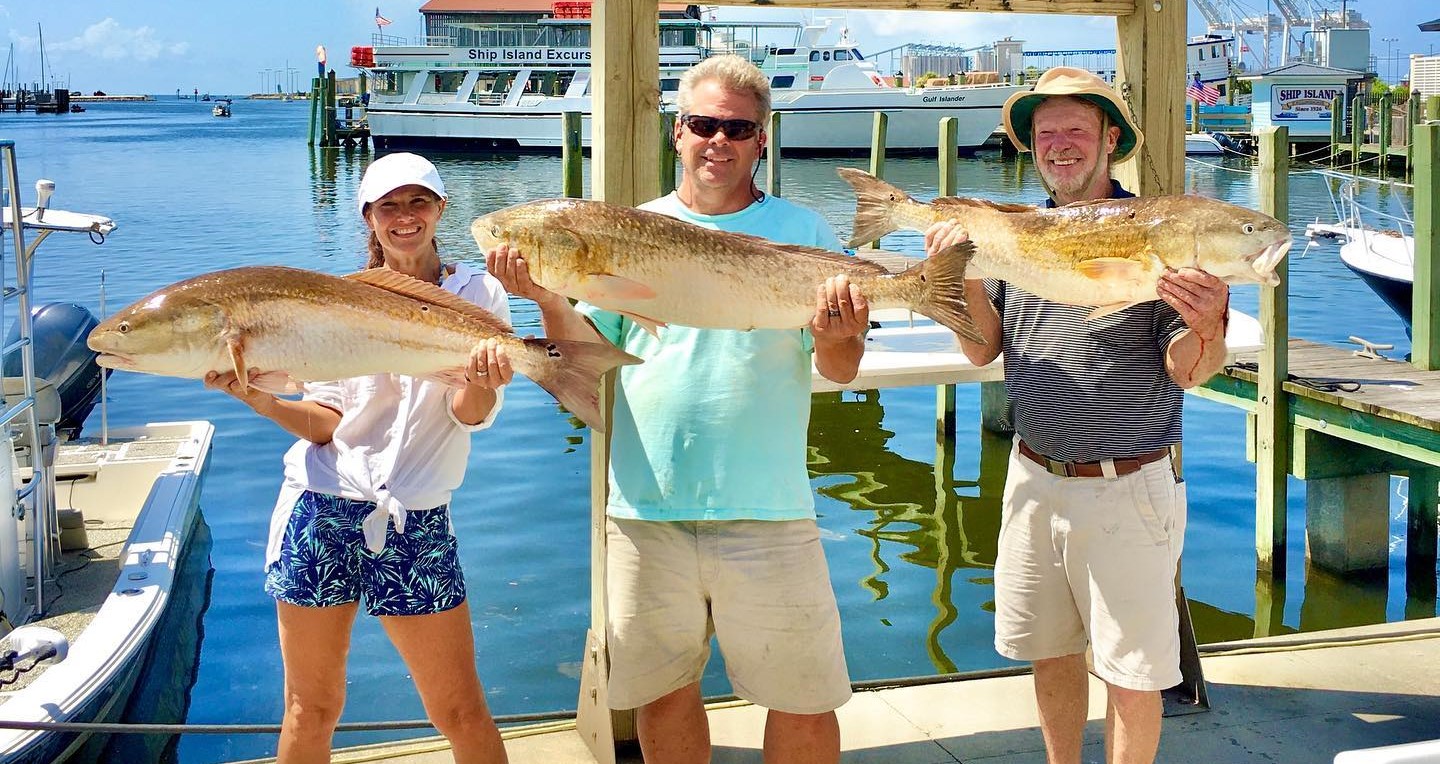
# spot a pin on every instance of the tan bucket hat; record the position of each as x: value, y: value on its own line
x: 1019, y: 110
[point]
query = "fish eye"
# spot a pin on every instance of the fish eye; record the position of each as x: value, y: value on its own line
x: 123, y: 327
x: 1248, y: 228
x: 495, y: 231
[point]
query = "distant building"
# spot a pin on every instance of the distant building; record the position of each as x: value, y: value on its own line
x: 1298, y: 96
x: 1425, y: 74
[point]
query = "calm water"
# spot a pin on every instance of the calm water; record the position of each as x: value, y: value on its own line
x: 911, y: 564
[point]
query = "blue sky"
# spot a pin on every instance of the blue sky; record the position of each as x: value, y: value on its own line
x: 158, y: 46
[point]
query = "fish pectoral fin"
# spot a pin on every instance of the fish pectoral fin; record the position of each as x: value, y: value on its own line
x: 235, y: 343
x: 1111, y: 269
x: 276, y: 383
x: 1105, y: 310
x: 650, y: 325
x: 600, y: 287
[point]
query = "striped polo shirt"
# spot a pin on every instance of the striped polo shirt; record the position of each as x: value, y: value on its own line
x: 1088, y: 390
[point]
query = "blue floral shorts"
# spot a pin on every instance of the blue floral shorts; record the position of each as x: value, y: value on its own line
x: 324, y: 560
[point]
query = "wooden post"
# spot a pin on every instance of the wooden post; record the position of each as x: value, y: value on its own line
x: 1386, y: 126
x: 949, y: 179
x: 572, y: 156
x: 1337, y: 126
x: 877, y: 144
x: 1272, y: 457
x: 331, y: 134
x: 1150, y: 77
x: 1420, y: 534
x: 772, y: 155
x: 314, y: 109
x: 1425, y: 308
x: 1357, y: 132
x: 877, y: 155
x: 1412, y: 122
x: 949, y: 167
x: 1432, y: 108
x: 1194, y: 116
x: 625, y: 75
x: 667, y: 152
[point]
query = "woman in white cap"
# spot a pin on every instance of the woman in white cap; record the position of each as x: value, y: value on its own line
x: 363, y: 512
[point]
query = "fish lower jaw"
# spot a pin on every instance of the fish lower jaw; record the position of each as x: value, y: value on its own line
x: 111, y: 361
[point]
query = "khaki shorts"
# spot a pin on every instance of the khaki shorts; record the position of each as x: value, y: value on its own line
x: 1092, y: 560
x: 761, y: 587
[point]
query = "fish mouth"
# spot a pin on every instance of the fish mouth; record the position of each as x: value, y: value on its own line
x: 114, y: 361
x: 1267, y: 260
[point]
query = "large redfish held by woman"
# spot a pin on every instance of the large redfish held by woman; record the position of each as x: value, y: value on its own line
x: 295, y: 326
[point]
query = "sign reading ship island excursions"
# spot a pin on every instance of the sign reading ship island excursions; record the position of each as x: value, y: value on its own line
x: 530, y: 55
x: 1292, y: 103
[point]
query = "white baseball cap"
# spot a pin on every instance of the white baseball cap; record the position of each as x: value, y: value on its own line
x: 395, y: 170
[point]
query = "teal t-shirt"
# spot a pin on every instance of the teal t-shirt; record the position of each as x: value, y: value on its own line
x: 713, y: 425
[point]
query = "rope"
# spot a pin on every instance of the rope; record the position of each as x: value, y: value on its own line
x: 1319, y: 384
x: 123, y: 728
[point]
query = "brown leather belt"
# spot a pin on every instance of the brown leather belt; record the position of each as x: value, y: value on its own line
x: 1092, y: 469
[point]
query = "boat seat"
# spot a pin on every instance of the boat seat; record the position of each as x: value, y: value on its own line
x: 47, y: 407
x: 47, y: 399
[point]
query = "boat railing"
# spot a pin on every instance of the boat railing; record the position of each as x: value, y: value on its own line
x: 20, y: 415
x: 379, y: 40
x: 1363, y: 219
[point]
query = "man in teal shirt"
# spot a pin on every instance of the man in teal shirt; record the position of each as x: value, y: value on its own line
x: 712, y: 522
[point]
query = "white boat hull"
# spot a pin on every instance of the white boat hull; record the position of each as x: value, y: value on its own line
x: 95, y: 679
x: 812, y: 122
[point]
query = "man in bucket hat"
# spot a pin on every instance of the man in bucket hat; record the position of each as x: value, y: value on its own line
x: 1094, y: 511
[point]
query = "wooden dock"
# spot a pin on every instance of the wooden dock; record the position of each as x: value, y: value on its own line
x: 1355, y: 422
x: 1297, y: 698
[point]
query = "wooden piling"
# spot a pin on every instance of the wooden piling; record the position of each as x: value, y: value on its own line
x: 314, y: 110
x: 1383, y: 112
x: 1432, y: 108
x: 877, y: 144
x: 1357, y: 132
x: 772, y: 155
x: 572, y: 174
x: 1425, y: 307
x: 1412, y: 121
x: 332, y: 137
x: 667, y: 152
x: 1272, y: 457
x: 949, y: 179
x: 1337, y: 126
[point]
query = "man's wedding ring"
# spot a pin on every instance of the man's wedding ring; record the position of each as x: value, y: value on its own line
x: 833, y: 313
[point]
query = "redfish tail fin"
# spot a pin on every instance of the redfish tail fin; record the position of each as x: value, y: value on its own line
x: 943, y: 291
x: 572, y: 374
x: 875, y: 200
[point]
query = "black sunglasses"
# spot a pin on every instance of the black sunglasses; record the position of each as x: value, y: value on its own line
x: 706, y: 127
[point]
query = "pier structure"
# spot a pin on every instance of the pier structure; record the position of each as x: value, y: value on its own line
x: 1370, y: 132
x: 333, y: 124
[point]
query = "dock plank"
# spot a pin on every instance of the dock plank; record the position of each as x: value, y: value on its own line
x: 1389, y: 389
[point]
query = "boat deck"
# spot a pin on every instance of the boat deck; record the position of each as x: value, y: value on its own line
x: 1296, y: 698
x: 84, y: 577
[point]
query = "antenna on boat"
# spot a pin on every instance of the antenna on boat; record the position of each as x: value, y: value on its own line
x: 104, y: 408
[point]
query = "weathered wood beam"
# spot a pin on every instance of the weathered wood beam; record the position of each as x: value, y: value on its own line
x: 1150, y: 76
x: 625, y: 43
x: 1080, y: 7
x: 1272, y: 444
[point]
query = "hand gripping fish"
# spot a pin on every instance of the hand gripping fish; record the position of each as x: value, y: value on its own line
x: 298, y: 326
x: 659, y: 270
x: 1108, y: 253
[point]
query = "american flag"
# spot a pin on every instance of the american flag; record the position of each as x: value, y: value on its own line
x: 1202, y: 92
x: 380, y: 21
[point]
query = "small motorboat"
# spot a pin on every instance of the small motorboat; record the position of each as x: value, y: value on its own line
x: 221, y: 108
x: 122, y: 507
x: 1384, y: 258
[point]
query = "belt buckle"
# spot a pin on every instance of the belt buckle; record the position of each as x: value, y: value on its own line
x: 1058, y: 468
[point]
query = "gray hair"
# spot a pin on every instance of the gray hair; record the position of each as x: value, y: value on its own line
x: 732, y: 73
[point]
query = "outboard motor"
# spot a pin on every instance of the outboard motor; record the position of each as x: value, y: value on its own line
x: 62, y: 357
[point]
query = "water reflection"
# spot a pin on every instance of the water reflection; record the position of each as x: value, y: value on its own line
x: 942, y: 524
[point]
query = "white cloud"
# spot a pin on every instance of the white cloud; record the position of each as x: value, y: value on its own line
x: 110, y: 41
